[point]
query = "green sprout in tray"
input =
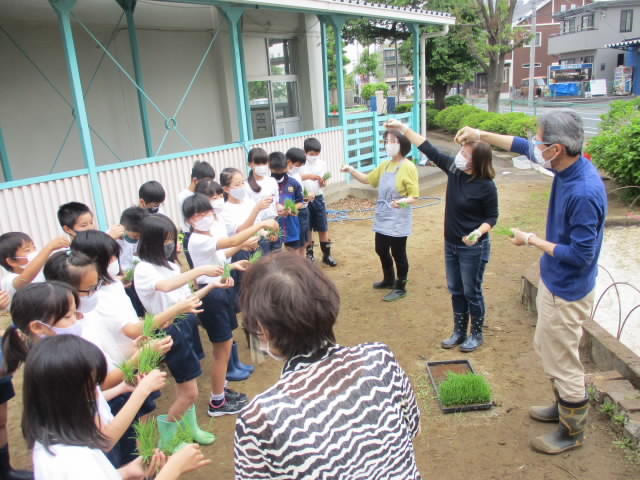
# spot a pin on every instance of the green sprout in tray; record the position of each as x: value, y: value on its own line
x: 464, y: 389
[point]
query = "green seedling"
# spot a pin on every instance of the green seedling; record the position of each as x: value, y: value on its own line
x: 183, y: 436
x: 147, y: 437
x: 227, y: 271
x: 149, y: 331
x: 404, y: 205
x: 326, y: 176
x: 181, y: 238
x: 620, y: 419
x: 305, y: 192
x: 128, y: 373
x: 128, y: 276
x: 290, y: 206
x: 257, y: 255
x: 465, y: 389
x: 502, y: 230
x: 269, y: 232
x: 608, y: 408
x: 148, y: 359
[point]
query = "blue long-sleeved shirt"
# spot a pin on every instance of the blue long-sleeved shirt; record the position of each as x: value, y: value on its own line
x: 575, y: 223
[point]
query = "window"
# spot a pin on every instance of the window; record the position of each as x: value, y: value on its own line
x: 535, y: 65
x: 563, y: 8
x: 587, y: 22
x: 588, y: 59
x: 603, y: 66
x: 626, y: 20
x: 390, y: 72
x: 281, y: 58
x: 389, y: 55
x: 568, y: 61
x: 538, y: 40
x: 505, y: 74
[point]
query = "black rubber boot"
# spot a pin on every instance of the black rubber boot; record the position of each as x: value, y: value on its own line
x: 399, y: 291
x: 326, y: 254
x: 459, y: 335
x: 570, y: 432
x: 310, y: 256
x: 388, y: 279
x: 474, y: 340
x: 8, y: 473
x: 549, y: 413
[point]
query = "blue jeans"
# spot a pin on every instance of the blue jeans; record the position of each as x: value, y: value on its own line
x: 465, y: 272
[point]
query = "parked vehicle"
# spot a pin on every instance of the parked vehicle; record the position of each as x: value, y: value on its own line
x: 541, y: 87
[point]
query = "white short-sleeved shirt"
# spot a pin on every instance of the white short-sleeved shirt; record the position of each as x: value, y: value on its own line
x: 146, y: 276
x: 235, y: 214
x: 127, y: 254
x: 93, y: 332
x: 203, y: 250
x: 6, y: 283
x: 72, y: 463
x: 182, y: 196
x: 313, y: 167
x: 104, y: 410
x: 268, y: 188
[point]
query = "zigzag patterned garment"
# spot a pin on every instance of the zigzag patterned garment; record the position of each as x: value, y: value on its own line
x: 340, y: 413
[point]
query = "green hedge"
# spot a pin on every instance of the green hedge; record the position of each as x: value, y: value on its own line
x: 404, y: 108
x: 454, y: 118
x: 370, y: 89
x: 454, y: 100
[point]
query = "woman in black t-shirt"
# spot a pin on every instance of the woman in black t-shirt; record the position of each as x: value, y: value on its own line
x: 471, y: 211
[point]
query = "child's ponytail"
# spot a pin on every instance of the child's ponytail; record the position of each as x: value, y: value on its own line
x: 15, y: 348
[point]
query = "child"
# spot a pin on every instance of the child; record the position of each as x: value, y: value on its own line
x: 160, y: 284
x: 200, y: 171
x: 260, y: 186
x: 313, y: 175
x: 24, y: 262
x: 59, y: 420
x: 131, y: 221
x: 288, y: 189
x: 76, y: 217
x: 151, y: 196
x: 296, y: 159
x: 208, y: 243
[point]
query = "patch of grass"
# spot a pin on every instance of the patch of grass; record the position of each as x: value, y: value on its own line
x: 593, y: 393
x: 147, y: 437
x: 608, y: 408
x: 465, y: 389
x: 620, y: 419
x: 424, y: 392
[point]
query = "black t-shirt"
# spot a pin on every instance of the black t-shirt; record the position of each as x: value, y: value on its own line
x: 469, y: 203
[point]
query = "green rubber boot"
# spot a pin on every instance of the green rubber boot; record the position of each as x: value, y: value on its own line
x: 190, y: 421
x: 570, y: 432
x: 168, y: 442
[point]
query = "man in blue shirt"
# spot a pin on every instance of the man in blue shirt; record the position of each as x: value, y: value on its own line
x: 568, y: 267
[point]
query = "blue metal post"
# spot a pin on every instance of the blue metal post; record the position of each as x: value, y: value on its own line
x: 63, y: 9
x: 129, y: 6
x: 247, y: 105
x: 233, y: 15
x: 415, y: 111
x: 325, y: 69
x: 338, y: 23
x: 4, y: 159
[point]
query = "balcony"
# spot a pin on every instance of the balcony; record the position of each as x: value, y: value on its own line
x: 573, y: 29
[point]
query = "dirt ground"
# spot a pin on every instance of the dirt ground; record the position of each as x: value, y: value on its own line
x: 490, y: 444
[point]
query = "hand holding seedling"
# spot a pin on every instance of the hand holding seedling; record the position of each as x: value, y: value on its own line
x: 521, y: 238
x: 290, y: 207
x: 213, y: 270
x: 471, y: 239
x: 240, y: 265
x: 467, y: 134
x: 251, y: 244
x: 191, y: 304
x: 161, y: 345
x: 187, y: 459
x: 270, y: 225
x: 151, y: 382
x: 394, y: 124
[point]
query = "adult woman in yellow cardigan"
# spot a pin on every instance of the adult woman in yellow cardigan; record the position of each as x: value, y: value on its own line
x: 397, y: 183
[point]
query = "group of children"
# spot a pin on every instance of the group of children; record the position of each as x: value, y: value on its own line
x: 90, y: 302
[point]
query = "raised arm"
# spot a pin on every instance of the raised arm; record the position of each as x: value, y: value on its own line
x: 466, y: 134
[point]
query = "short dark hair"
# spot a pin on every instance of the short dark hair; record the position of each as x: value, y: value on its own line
x: 131, y: 218
x: 46, y: 302
x: 293, y: 300
x: 9, y: 245
x: 312, y: 145
x: 67, y: 266
x: 277, y: 161
x: 202, y: 169
x: 405, y: 144
x: 69, y: 212
x: 100, y: 248
x: 481, y: 160
x: 296, y: 155
x: 195, y: 204
x: 59, y: 399
x: 151, y: 192
x: 226, y: 176
x: 209, y: 188
x: 258, y: 156
x: 155, y: 230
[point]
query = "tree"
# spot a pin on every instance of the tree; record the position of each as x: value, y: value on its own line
x: 370, y: 64
x: 331, y: 57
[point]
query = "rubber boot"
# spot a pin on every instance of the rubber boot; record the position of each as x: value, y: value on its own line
x: 235, y: 374
x: 190, y: 421
x: 326, y: 254
x: 8, y: 473
x: 459, y: 335
x: 399, y: 291
x: 570, y: 432
x: 388, y: 279
x: 168, y: 431
x: 235, y: 357
x: 310, y: 256
x: 546, y: 414
x: 475, y: 339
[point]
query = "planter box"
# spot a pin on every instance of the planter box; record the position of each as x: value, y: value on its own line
x: 438, y: 374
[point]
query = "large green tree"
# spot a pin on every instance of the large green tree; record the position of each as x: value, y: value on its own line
x: 370, y: 64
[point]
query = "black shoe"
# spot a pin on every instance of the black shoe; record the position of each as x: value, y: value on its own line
x: 474, y: 340
x: 228, y: 407
x: 326, y: 254
x: 234, y: 396
x: 459, y: 335
x: 399, y: 291
x: 310, y: 256
x: 388, y: 279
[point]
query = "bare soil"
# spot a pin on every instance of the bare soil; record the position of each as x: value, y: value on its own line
x: 489, y: 444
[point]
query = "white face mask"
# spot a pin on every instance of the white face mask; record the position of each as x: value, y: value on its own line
x: 262, y: 170
x: 87, y: 304
x: 238, y: 193
x: 461, y: 162
x: 204, y: 224
x: 392, y: 149
x: 313, y: 158
x: 30, y: 256
x: 113, y: 269
x: 537, y: 153
x: 266, y: 349
x: 75, y: 329
x: 294, y: 170
x: 217, y: 205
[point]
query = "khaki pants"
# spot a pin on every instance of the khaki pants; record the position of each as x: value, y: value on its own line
x: 557, y: 339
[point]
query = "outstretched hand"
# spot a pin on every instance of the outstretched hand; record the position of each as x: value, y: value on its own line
x: 467, y: 134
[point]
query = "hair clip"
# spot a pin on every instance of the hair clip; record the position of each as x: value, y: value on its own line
x: 69, y: 252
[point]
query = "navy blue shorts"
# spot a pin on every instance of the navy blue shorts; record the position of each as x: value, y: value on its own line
x: 135, y: 300
x: 318, y: 215
x: 6, y: 389
x: 219, y: 315
x: 183, y: 360
x: 305, y: 227
x: 237, y: 277
x: 268, y: 247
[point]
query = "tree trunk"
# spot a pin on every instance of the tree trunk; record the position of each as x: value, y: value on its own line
x: 439, y: 92
x: 494, y: 82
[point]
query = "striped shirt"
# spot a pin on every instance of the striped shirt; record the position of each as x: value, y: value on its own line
x: 340, y: 413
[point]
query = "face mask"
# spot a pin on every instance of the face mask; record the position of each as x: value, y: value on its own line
x: 153, y: 209
x: 392, y: 149
x: 168, y: 249
x: 537, y: 153
x: 217, y: 205
x: 266, y: 349
x: 128, y: 239
x: 113, y: 269
x: 294, y: 170
x: 278, y: 176
x: 75, y: 329
x: 204, y: 224
x: 461, y: 162
x: 313, y: 158
x: 30, y: 257
x: 262, y: 170
x: 237, y: 193
x: 87, y: 303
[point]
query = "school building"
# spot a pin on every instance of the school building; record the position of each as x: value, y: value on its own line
x: 98, y: 96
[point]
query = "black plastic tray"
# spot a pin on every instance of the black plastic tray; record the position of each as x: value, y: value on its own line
x: 461, y: 364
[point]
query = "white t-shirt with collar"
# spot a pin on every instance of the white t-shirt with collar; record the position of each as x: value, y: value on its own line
x: 203, y: 250
x: 146, y: 276
x: 235, y: 214
x: 72, y: 463
x: 182, y: 196
x: 268, y: 188
x: 313, y: 167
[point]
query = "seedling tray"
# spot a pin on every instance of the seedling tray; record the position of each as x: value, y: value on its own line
x: 438, y: 374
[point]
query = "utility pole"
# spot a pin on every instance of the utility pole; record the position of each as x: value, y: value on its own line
x: 532, y: 56
x: 397, y: 74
